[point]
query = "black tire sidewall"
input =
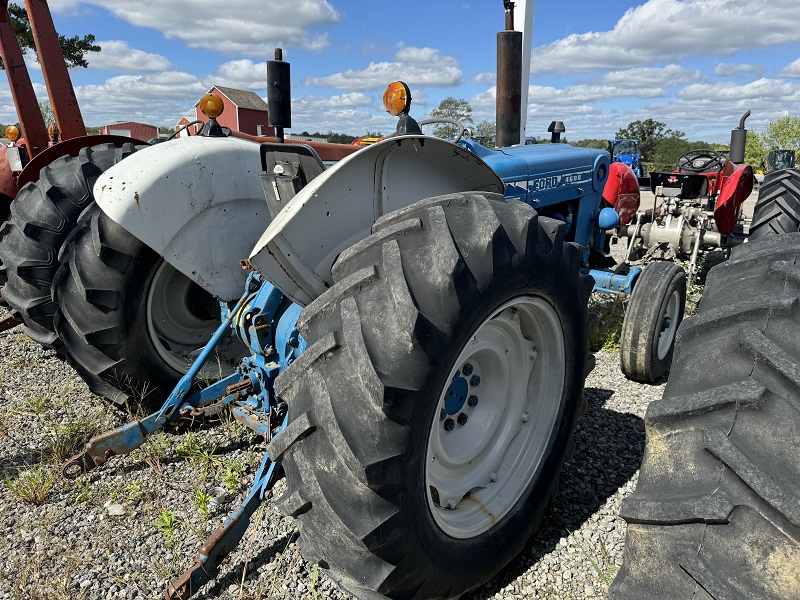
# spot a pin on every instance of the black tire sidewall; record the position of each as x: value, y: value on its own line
x: 466, y: 557
x: 677, y: 282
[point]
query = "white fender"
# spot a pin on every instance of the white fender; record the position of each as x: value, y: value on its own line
x: 339, y: 207
x: 196, y: 201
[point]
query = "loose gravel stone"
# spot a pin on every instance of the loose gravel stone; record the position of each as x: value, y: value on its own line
x: 126, y: 529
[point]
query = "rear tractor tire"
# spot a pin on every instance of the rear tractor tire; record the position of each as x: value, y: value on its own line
x: 655, y: 310
x: 131, y: 324
x: 435, y: 404
x: 715, y: 513
x: 777, y: 209
x: 42, y: 217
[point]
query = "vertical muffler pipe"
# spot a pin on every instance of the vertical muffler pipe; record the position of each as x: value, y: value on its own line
x: 509, y: 81
x: 279, y: 94
x: 739, y: 141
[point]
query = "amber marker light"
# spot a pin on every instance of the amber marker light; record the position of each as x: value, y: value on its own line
x: 12, y: 133
x: 211, y: 105
x: 397, y: 98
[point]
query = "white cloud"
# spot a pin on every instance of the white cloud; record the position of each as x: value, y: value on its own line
x: 666, y: 30
x: 117, y: 55
x: 237, y: 27
x: 791, y: 70
x: 738, y: 70
x: 241, y: 74
x: 415, y: 66
x: 670, y: 76
x: 157, y: 98
x: 485, y: 78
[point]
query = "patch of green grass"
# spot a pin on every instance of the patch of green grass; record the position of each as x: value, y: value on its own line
x: 191, y: 448
x: 36, y: 404
x: 32, y: 485
x: 232, y: 476
x: 610, y: 311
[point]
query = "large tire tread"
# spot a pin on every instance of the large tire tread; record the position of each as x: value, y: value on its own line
x: 777, y: 209
x: 42, y: 217
x: 392, y: 304
x: 716, y: 512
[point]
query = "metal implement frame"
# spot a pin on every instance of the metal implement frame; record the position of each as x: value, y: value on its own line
x: 265, y: 320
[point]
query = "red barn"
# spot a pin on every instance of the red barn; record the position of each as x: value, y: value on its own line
x: 244, y: 111
x: 193, y: 130
x: 137, y: 131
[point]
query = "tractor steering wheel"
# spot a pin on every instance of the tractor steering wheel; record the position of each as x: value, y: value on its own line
x: 449, y: 121
x: 701, y: 161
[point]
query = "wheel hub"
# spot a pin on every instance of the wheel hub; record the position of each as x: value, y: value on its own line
x: 495, y: 419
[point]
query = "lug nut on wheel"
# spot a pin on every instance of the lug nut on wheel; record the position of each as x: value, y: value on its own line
x: 449, y: 425
x: 462, y: 418
x: 467, y: 369
x: 475, y: 381
x: 472, y: 400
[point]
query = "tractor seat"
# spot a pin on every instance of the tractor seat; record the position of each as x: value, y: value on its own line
x: 688, y: 186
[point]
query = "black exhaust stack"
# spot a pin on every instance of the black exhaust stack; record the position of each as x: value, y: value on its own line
x: 556, y: 129
x: 279, y: 94
x: 739, y: 141
x: 509, y: 81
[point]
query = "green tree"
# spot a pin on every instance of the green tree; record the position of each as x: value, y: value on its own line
x: 649, y: 133
x: 783, y: 133
x: 451, y: 108
x: 47, y: 112
x: 754, y: 150
x: 486, y: 133
x: 591, y: 143
x: 340, y: 138
x: 74, y: 48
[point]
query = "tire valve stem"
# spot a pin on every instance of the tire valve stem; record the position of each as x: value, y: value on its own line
x: 462, y: 419
x: 449, y: 425
x: 472, y: 400
x: 442, y: 415
x: 493, y: 477
x: 524, y: 417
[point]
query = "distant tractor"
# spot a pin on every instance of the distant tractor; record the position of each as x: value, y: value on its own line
x: 627, y: 152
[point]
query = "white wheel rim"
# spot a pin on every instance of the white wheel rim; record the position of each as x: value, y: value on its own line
x: 177, y: 333
x: 669, y: 323
x: 476, y: 472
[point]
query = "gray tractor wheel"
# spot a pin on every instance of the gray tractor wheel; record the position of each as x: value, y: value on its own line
x: 715, y: 513
x: 130, y: 323
x: 654, y: 312
x: 436, y: 402
x: 778, y: 207
x: 42, y: 216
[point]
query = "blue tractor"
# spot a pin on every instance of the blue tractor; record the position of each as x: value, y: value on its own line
x: 413, y: 323
x: 627, y: 152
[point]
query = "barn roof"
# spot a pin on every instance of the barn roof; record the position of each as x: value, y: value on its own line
x: 241, y: 98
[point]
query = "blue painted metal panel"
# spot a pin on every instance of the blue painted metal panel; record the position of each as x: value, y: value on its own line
x: 608, y: 281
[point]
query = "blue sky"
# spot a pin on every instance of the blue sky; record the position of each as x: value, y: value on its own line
x: 696, y: 65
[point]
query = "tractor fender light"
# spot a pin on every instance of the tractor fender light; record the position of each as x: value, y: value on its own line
x: 12, y: 133
x: 397, y: 98
x: 211, y: 105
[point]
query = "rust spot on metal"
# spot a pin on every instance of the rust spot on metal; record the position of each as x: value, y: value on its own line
x: 8, y: 323
x: 136, y: 198
x: 473, y: 500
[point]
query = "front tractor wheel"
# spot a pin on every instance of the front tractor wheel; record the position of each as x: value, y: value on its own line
x: 435, y: 404
x: 655, y: 311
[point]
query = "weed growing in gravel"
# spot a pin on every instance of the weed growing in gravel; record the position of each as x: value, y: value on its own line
x: 194, y: 450
x: 232, y: 476
x: 36, y: 404
x: 84, y: 492
x: 169, y: 525
x: 603, y: 566
x: 610, y: 310
x: 32, y: 485
x: 203, y: 501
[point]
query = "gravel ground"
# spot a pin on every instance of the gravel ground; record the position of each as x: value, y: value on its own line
x: 126, y: 529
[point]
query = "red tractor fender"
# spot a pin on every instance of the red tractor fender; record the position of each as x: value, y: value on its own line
x: 622, y: 192
x: 71, y: 147
x: 735, y: 190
